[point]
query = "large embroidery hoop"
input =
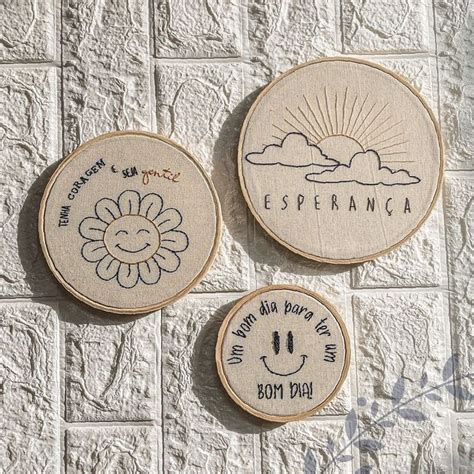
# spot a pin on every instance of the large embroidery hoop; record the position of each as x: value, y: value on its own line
x: 285, y: 115
x: 153, y: 248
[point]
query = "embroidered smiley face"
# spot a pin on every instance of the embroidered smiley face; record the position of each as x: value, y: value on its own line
x: 282, y: 352
x: 134, y: 239
x: 285, y: 355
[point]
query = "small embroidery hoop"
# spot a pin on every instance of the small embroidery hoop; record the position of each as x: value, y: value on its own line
x: 286, y: 244
x: 85, y: 299
x: 222, y: 333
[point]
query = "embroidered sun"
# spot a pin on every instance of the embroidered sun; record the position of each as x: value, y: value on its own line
x: 133, y: 239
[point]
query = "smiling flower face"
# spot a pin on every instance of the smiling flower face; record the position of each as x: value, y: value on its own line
x: 133, y: 239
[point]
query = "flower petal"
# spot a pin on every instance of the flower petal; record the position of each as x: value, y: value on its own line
x: 94, y: 250
x: 167, y: 260
x: 151, y: 205
x: 128, y: 275
x: 107, y: 268
x: 149, y: 271
x: 92, y: 228
x: 107, y: 210
x: 168, y: 220
x: 129, y: 203
x: 174, y: 240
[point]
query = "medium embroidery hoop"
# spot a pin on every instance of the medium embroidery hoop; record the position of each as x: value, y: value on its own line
x: 248, y: 199
x: 148, y: 308
x: 222, y: 333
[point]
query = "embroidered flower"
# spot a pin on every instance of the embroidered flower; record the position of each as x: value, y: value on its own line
x: 133, y: 239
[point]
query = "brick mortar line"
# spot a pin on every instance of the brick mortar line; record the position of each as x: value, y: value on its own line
x: 445, y: 263
x: 239, y: 294
x: 158, y: 369
x: 245, y: 57
x: 30, y: 64
x: 109, y: 424
x: 188, y: 61
x: 353, y: 369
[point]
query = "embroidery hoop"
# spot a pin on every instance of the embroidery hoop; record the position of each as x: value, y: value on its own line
x: 142, y: 309
x: 222, y: 333
x: 292, y: 248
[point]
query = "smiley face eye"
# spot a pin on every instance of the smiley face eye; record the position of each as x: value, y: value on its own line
x: 289, y: 342
x: 142, y: 230
x: 121, y: 231
x: 276, y: 342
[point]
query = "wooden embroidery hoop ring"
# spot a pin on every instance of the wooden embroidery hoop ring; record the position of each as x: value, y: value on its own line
x: 220, y: 341
x: 347, y: 261
x: 85, y: 299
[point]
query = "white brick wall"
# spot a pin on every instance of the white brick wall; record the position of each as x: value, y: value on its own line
x: 84, y: 392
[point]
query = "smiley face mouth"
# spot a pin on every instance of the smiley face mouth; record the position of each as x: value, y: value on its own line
x: 303, y: 360
x: 133, y: 251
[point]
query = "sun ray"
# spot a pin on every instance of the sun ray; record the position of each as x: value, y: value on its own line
x: 382, y: 123
x: 316, y: 133
x: 344, y: 110
x: 392, y: 145
x: 364, y: 132
x: 350, y: 116
x: 277, y: 137
x: 302, y: 124
x: 386, y: 139
x: 391, y: 127
x: 403, y: 152
x: 314, y: 115
x: 397, y: 161
x: 311, y: 138
x: 335, y: 113
x: 327, y: 110
x: 358, y: 114
x: 322, y: 115
x: 354, y: 134
x: 281, y: 130
x: 378, y: 126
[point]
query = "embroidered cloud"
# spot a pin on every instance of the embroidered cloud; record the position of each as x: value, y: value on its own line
x: 294, y: 151
x: 364, y: 168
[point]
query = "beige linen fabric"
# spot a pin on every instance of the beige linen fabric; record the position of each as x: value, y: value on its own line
x: 129, y: 222
x: 282, y: 353
x: 340, y: 160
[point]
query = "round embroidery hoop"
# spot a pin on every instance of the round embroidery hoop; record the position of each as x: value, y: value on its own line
x: 152, y: 185
x: 223, y: 350
x: 257, y: 137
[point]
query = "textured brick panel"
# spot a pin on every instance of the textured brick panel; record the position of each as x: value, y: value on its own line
x: 401, y: 354
x: 27, y: 30
x: 197, y: 108
x: 106, y: 84
x: 455, y: 30
x: 28, y: 137
x: 110, y: 365
x: 466, y: 445
x: 111, y: 449
x: 197, y: 29
x: 285, y: 33
x: 385, y: 26
x: 417, y: 262
x: 459, y: 202
x: 419, y: 72
x: 303, y: 447
x: 274, y: 264
x: 29, y: 388
x: 203, y: 429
